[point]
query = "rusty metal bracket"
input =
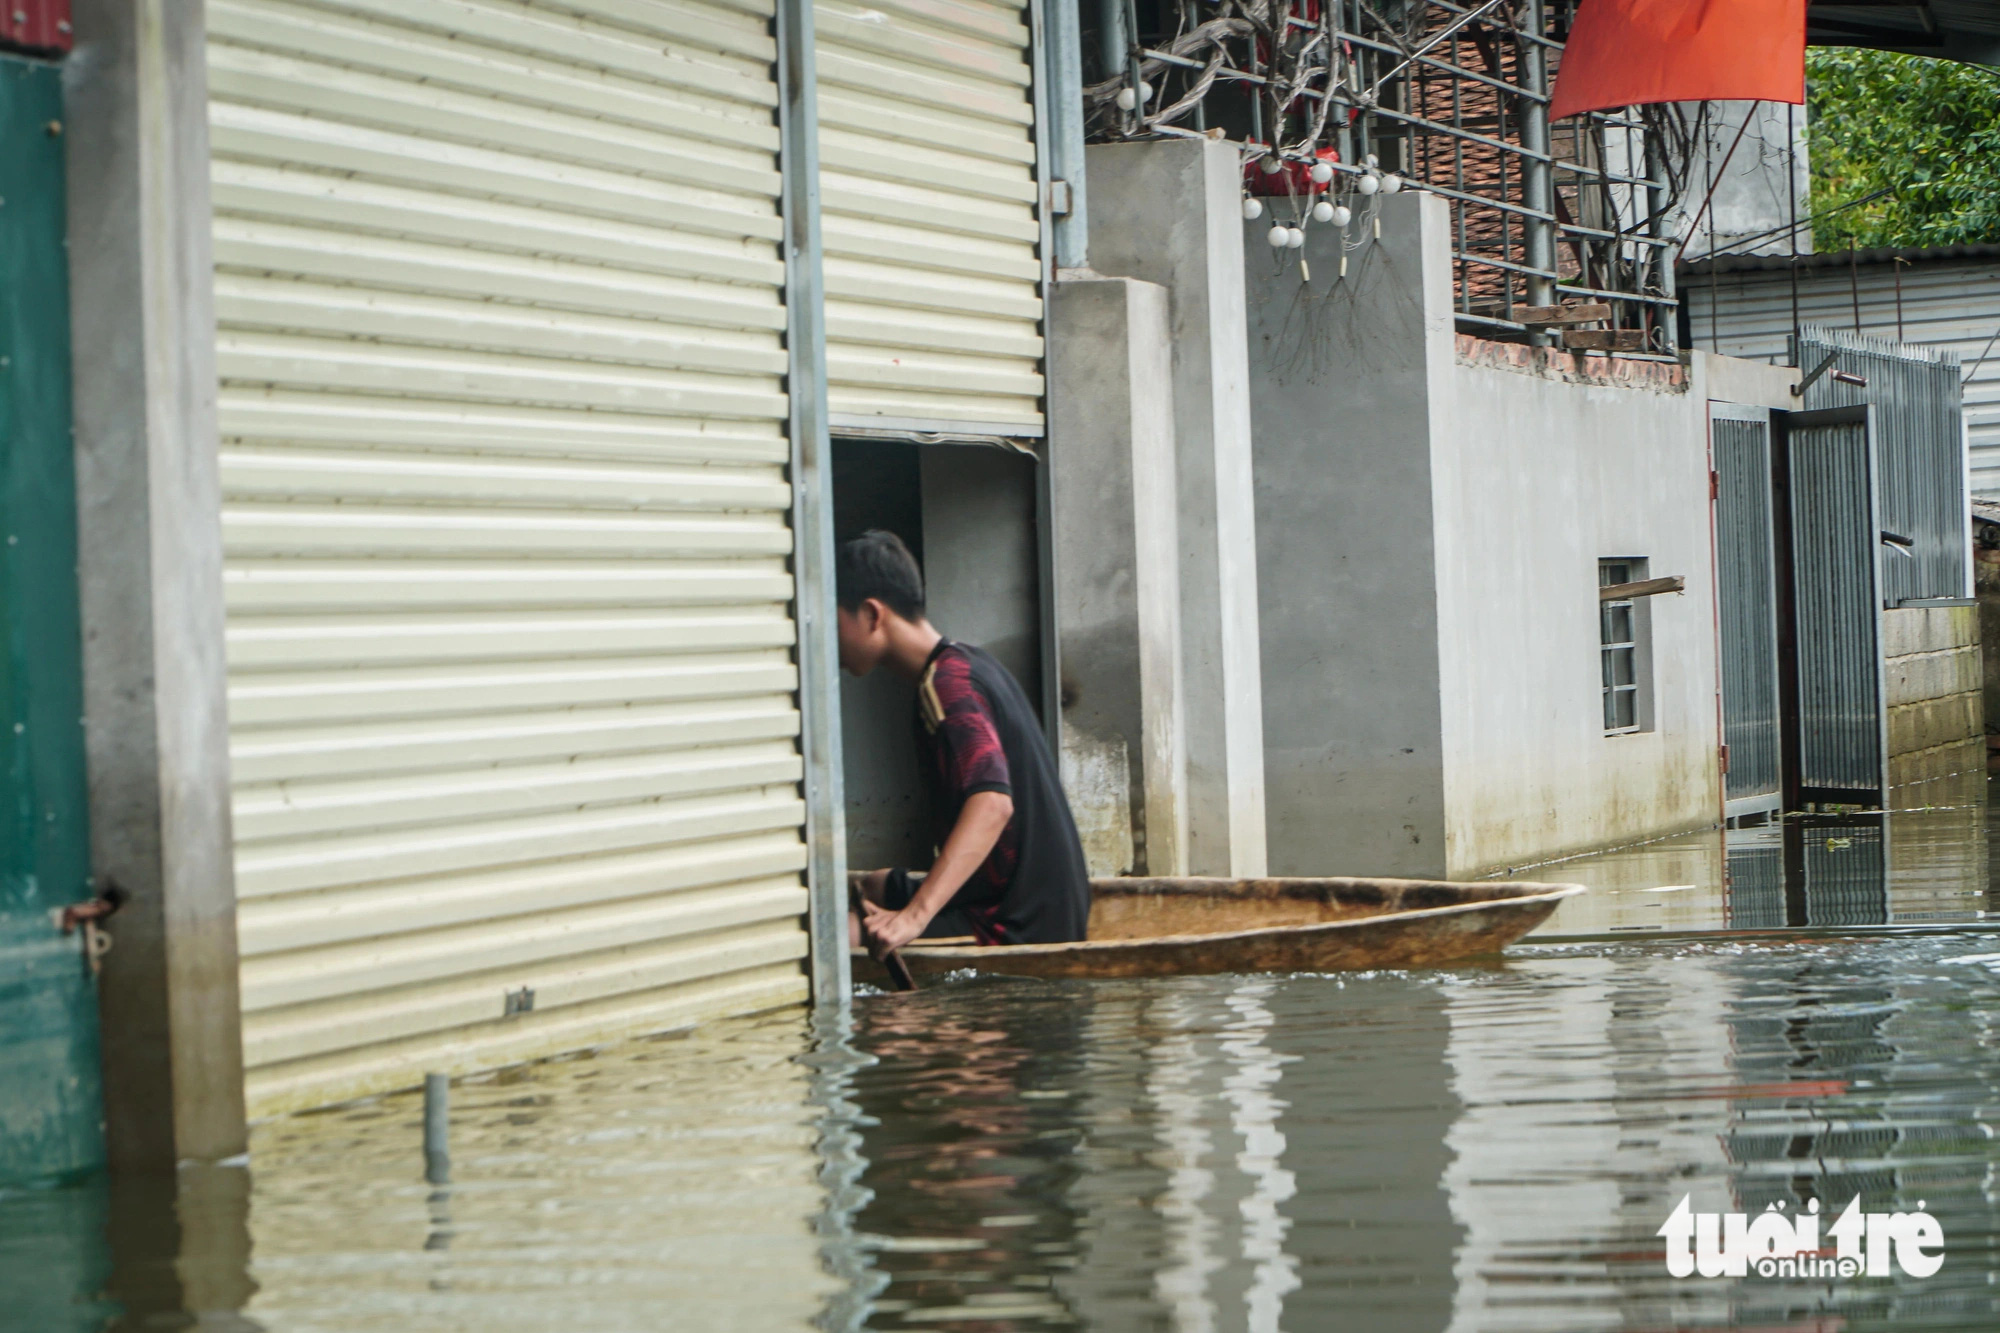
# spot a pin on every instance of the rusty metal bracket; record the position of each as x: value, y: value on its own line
x: 86, y: 916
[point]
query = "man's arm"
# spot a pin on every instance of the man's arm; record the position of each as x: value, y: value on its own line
x: 981, y: 821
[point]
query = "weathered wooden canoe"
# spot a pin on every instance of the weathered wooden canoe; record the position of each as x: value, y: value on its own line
x: 1180, y: 927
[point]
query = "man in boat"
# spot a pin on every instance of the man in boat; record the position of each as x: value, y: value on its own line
x: 1009, y: 867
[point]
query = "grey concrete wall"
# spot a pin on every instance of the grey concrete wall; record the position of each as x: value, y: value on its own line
x: 1347, y: 373
x: 1170, y: 213
x: 1111, y: 445
x: 150, y: 542
x: 1431, y: 513
x: 1542, y: 471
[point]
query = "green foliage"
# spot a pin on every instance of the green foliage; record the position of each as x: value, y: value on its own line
x: 1928, y: 130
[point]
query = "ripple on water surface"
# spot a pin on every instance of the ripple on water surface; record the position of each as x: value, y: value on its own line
x: 1483, y: 1148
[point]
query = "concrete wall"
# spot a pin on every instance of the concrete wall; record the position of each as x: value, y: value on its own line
x: 1170, y: 213
x: 1111, y: 451
x: 1543, y: 471
x: 1431, y: 512
x: 1348, y: 377
x: 1937, y: 714
x: 150, y: 574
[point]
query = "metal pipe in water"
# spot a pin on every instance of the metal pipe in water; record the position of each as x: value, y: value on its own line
x: 437, y: 1128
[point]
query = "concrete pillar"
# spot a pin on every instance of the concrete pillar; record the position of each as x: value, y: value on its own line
x: 1169, y: 213
x: 150, y: 541
x: 1351, y: 381
x: 1111, y: 445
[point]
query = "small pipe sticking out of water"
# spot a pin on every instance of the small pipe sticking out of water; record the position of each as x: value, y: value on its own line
x: 437, y: 1128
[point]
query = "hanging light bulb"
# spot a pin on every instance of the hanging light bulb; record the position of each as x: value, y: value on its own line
x: 1279, y: 236
x: 1126, y: 99
x: 1323, y: 211
x: 1295, y: 238
x: 1271, y: 165
x: 1368, y: 185
x: 1342, y: 215
x: 1322, y: 172
x: 1253, y: 208
x: 1391, y: 183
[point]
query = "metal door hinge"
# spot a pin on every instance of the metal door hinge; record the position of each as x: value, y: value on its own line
x: 1722, y: 756
x: 1059, y: 204
x: 85, y: 916
x: 1714, y: 484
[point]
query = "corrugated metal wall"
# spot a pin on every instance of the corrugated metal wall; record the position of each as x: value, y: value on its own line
x: 511, y: 686
x: 1919, y: 454
x: 1838, y: 607
x: 1747, y: 606
x: 1946, y: 305
x: 931, y: 218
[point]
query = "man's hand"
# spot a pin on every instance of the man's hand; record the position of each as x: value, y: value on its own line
x: 886, y: 930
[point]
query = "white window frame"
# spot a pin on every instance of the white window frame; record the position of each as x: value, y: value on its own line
x: 1638, y: 648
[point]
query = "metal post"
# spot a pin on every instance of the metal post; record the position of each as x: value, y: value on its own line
x: 1113, y: 42
x: 1062, y: 101
x: 812, y: 507
x: 437, y: 1128
x: 1657, y: 201
x: 1540, y: 187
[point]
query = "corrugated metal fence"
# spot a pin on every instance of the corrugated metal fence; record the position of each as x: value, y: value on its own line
x: 1919, y: 453
x: 1946, y: 305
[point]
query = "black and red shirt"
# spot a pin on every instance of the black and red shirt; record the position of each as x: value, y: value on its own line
x: 977, y: 732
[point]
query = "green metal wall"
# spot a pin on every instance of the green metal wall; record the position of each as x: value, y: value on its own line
x: 51, y: 1117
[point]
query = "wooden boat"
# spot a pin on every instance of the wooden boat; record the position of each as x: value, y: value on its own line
x: 1179, y: 927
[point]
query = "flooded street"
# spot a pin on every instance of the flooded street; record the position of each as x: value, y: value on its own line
x: 1490, y: 1147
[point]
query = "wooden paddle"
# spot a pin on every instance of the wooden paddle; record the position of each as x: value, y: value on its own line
x: 899, y: 971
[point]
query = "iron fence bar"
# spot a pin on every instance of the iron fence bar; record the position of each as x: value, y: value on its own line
x: 1632, y: 238
x: 1642, y: 297
x: 1517, y: 150
x: 1534, y: 38
x: 1481, y: 200
x: 1446, y: 66
x: 1507, y: 264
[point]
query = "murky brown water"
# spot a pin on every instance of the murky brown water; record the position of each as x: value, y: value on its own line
x: 1477, y: 1149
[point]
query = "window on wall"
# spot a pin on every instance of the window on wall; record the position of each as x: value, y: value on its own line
x: 1623, y: 651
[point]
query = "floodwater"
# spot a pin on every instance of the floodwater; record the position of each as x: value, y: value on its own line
x: 1747, y: 1020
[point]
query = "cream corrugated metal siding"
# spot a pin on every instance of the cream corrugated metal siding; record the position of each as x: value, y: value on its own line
x: 1947, y: 306
x: 506, y: 521
x: 931, y: 225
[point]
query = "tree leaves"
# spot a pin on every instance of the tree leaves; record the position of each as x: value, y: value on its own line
x: 1928, y: 130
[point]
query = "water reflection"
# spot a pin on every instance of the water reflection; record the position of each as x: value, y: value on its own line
x: 1924, y: 863
x: 1471, y: 1150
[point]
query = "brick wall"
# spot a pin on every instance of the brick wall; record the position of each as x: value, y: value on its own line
x: 1937, y: 714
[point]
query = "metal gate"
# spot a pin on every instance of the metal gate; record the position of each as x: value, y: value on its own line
x: 1832, y: 510
x: 50, y: 1105
x: 1919, y: 435
x: 1747, y: 598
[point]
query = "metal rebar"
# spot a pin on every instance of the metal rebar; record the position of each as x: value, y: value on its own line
x: 437, y: 1128
x: 1538, y: 187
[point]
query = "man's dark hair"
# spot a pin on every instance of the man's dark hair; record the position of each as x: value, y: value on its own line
x: 877, y: 564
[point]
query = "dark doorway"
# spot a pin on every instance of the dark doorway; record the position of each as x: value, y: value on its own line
x: 968, y: 513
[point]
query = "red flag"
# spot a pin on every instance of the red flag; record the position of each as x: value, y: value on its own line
x: 1631, y: 52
